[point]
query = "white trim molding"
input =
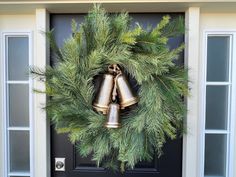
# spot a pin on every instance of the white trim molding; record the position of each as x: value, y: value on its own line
x: 41, y: 124
x: 190, y: 140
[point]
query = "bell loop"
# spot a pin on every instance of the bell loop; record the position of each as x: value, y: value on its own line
x: 114, y: 69
x: 114, y: 92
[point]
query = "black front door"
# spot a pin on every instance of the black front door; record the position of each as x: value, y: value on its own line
x: 168, y: 165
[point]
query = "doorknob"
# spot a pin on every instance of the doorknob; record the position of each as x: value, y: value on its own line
x: 59, y: 164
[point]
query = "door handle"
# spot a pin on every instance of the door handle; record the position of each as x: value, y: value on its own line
x: 59, y: 164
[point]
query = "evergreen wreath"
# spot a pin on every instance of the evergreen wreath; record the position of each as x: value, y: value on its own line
x: 144, y: 55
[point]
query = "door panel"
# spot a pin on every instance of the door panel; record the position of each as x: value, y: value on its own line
x: 168, y: 165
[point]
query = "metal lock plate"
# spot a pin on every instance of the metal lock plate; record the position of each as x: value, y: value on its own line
x: 59, y: 164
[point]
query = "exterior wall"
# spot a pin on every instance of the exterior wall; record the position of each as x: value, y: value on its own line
x: 196, y: 24
x: 221, y: 22
x: 217, y: 21
x: 12, y: 23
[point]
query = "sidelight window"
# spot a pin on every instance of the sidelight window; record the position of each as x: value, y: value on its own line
x: 218, y: 105
x: 17, y: 104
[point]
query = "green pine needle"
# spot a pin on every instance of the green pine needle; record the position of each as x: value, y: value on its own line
x: 101, y: 41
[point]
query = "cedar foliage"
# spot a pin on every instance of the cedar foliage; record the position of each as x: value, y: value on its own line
x: 143, y: 53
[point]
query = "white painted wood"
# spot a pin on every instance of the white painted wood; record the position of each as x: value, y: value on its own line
x: 31, y: 110
x: 3, y: 96
x: 202, y: 105
x: 19, y: 174
x: 218, y: 83
x: 216, y: 131
x: 232, y: 125
x: 229, y: 117
x: 19, y: 128
x: 17, y: 82
x: 6, y: 116
x: 41, y: 125
x: 190, y: 140
x: 101, y: 1
x: 82, y: 6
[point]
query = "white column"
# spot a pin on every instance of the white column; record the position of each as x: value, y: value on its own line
x: 190, y: 140
x: 41, y: 124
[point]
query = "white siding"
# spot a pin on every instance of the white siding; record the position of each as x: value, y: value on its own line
x: 196, y: 23
x: 218, y: 22
x: 10, y: 23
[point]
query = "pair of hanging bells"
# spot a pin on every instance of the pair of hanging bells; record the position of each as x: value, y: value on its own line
x: 114, y: 83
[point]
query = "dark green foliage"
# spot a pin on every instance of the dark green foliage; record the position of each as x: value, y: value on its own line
x: 103, y: 40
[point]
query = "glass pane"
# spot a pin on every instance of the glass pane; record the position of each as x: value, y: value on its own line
x: 19, y: 151
x: 216, y: 107
x: 215, y: 155
x: 18, y: 105
x: 18, y: 57
x: 218, y: 58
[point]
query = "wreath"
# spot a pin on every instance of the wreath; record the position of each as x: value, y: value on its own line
x: 106, y: 45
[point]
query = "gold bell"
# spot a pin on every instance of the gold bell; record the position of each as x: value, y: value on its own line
x: 103, y: 97
x: 113, y: 116
x: 126, y: 95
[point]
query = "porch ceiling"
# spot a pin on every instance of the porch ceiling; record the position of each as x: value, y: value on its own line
x: 82, y: 6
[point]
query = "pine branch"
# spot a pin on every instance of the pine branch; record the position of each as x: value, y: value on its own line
x: 100, y: 41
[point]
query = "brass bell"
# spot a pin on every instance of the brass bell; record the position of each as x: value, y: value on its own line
x: 126, y: 95
x: 113, y: 116
x: 103, y: 97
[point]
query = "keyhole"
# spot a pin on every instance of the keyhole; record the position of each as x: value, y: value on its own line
x: 59, y: 164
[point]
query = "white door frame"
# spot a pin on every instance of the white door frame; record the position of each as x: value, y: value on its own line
x: 42, y: 126
x: 190, y: 140
x: 42, y: 163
